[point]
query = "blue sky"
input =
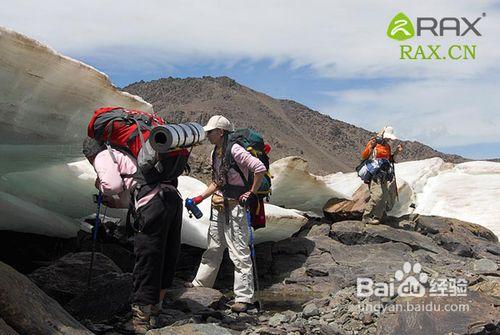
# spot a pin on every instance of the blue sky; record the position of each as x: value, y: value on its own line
x: 333, y: 56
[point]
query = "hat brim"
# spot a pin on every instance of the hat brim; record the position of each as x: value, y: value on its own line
x: 207, y: 128
x: 390, y: 136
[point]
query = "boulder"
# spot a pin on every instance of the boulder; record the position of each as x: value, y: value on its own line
x: 195, y: 299
x: 479, y: 316
x: 355, y: 232
x: 28, y: 310
x: 109, y: 295
x: 67, y: 277
x: 459, y: 237
x: 66, y: 281
x: 339, y: 209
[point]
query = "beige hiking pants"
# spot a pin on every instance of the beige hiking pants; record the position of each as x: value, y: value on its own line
x: 382, y: 199
x: 233, y: 236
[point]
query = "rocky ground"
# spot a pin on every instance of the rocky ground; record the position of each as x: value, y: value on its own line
x: 307, y: 285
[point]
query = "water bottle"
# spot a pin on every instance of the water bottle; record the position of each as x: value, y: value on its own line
x: 193, y: 209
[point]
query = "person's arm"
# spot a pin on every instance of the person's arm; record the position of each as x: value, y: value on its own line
x: 212, y: 187
x: 257, y: 181
x: 109, y: 180
x: 243, y: 158
x: 369, y: 148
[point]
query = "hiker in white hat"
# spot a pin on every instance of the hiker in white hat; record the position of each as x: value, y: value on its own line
x: 383, y: 188
x: 228, y: 226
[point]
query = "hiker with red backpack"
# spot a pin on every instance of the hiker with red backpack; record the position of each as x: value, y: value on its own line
x: 119, y: 147
x: 239, y: 180
x: 378, y: 172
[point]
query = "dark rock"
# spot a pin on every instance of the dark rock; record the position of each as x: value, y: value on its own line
x: 109, y: 295
x: 28, y: 310
x: 196, y: 299
x: 319, y: 230
x: 67, y: 277
x: 5, y: 329
x: 436, y: 224
x: 318, y: 265
x: 480, y: 314
x: 293, y: 246
x: 26, y: 252
x: 450, y: 242
x: 355, y: 232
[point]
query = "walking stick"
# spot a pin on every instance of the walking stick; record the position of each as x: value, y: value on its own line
x: 395, y: 181
x: 252, y: 254
x: 94, y: 236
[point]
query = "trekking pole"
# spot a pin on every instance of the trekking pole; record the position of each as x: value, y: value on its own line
x: 395, y: 181
x: 94, y: 236
x: 252, y: 254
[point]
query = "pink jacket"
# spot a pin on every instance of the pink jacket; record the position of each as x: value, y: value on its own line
x: 246, y: 162
x: 111, y: 182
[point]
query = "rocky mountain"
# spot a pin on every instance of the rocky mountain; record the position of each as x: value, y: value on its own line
x: 291, y: 128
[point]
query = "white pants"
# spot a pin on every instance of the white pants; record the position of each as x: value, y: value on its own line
x: 233, y: 236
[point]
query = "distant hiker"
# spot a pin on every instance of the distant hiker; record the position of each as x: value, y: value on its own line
x: 228, y: 226
x: 379, y: 158
x: 157, y: 225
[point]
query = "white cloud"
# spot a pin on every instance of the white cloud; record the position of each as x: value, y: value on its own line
x: 437, y: 112
x: 336, y: 38
x: 439, y: 102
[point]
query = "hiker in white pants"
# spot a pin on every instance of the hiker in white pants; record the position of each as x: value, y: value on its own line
x: 228, y: 226
x: 234, y: 237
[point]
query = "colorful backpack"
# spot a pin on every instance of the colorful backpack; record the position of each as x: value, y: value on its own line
x: 128, y: 131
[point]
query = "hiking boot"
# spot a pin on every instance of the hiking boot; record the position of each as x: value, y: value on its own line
x: 141, y: 316
x: 154, y: 318
x: 239, y: 307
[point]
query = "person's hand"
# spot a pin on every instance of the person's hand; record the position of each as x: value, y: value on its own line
x: 97, y: 183
x: 246, y: 198
x: 197, y: 199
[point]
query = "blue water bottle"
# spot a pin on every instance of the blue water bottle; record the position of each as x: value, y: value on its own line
x: 193, y: 209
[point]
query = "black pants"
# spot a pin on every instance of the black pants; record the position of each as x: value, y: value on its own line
x: 157, y: 246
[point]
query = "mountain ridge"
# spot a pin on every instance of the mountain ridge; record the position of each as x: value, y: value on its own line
x: 292, y: 129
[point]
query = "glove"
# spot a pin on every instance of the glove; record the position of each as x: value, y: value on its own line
x: 198, y: 199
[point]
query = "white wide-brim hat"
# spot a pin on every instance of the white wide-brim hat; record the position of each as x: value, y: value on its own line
x: 389, y: 133
x: 218, y: 121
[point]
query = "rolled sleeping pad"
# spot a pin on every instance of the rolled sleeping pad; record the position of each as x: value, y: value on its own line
x: 167, y: 137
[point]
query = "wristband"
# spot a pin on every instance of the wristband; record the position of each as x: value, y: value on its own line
x: 198, y: 199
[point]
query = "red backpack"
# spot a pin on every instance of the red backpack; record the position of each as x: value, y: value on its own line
x: 120, y: 128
